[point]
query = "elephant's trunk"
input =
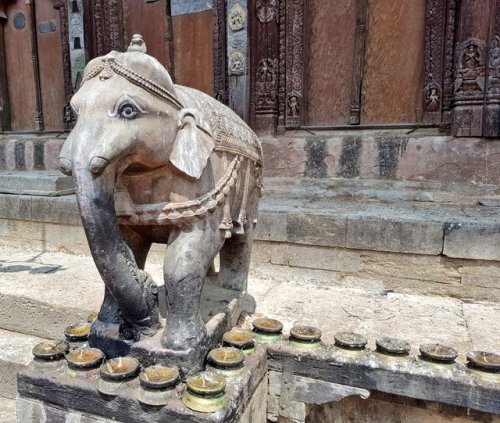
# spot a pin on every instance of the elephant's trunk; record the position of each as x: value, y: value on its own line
x: 114, y: 260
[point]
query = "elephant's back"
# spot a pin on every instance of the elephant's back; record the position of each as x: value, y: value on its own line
x: 230, y: 132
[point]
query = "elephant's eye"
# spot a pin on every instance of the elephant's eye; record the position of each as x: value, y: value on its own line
x: 128, y: 111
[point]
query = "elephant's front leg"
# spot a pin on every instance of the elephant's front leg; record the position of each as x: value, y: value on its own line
x: 189, y: 255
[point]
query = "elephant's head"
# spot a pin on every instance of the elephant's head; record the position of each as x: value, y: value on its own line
x: 128, y: 118
x: 128, y: 114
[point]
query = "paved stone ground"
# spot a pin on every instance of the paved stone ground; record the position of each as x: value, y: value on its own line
x: 69, y: 282
x: 63, y: 288
x: 7, y: 410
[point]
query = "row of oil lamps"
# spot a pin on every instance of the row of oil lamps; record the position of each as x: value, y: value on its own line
x: 205, y: 391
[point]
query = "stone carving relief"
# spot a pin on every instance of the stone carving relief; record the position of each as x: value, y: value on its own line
x: 471, y: 67
x: 432, y: 98
x: 267, y: 10
x: 293, y: 109
x: 237, y: 64
x: 266, y: 82
x: 237, y: 17
x: 77, y: 51
x: 237, y: 37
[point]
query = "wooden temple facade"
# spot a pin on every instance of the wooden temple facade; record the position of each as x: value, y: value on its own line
x: 281, y: 64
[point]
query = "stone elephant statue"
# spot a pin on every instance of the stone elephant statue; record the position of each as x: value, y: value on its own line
x: 158, y: 162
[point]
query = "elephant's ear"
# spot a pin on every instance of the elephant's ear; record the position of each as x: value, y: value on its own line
x: 193, y: 143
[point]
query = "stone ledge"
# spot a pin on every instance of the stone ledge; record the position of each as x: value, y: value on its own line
x: 15, y: 355
x: 80, y: 393
x: 60, y: 210
x: 319, y: 213
x: 411, y: 377
x: 30, y: 151
x: 41, y: 183
x: 383, y: 154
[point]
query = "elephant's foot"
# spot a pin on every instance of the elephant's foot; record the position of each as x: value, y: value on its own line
x: 183, y: 334
x: 109, y: 312
x: 150, y: 324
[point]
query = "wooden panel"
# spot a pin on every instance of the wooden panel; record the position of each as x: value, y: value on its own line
x: 331, y: 30
x: 50, y: 60
x: 394, y: 62
x: 193, y: 51
x: 22, y: 93
x: 149, y: 20
x: 4, y: 92
x: 264, y: 65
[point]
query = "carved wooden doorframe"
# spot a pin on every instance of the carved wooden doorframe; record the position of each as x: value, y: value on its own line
x: 4, y: 92
x: 462, y: 67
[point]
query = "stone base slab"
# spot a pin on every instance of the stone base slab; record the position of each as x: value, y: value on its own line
x: 221, y: 311
x: 65, y: 392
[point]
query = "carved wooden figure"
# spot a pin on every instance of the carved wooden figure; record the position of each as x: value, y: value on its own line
x: 158, y: 162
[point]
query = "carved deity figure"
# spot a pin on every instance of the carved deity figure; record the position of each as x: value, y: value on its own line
x: 293, y: 106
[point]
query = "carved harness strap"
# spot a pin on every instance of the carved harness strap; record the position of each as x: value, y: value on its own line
x: 164, y: 213
x: 109, y: 65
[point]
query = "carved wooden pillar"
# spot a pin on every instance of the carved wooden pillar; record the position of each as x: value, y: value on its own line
x: 220, y: 51
x: 264, y: 33
x: 440, y: 28
x: 491, y: 124
x: 106, y: 26
x: 291, y: 103
x: 471, y: 55
x: 237, y: 57
x: 36, y: 69
x: 4, y: 92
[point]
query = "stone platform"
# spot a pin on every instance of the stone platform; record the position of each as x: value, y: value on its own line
x: 51, y: 290
x: 73, y: 391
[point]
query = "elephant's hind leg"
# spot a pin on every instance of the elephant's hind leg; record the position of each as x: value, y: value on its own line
x: 235, y: 261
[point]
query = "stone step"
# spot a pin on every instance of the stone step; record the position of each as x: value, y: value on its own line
x: 460, y: 225
x: 382, y: 190
x: 7, y: 410
x: 41, y: 294
x: 15, y: 354
x: 317, y: 214
x: 35, y: 182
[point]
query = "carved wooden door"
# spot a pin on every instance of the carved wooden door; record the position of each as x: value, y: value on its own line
x: 33, y: 56
x: 50, y: 64
x: 178, y: 34
x: 19, y: 66
x: 192, y: 29
x: 151, y: 21
x: 364, y: 61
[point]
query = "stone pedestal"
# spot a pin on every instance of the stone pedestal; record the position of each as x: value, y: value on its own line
x: 220, y: 310
x: 58, y: 393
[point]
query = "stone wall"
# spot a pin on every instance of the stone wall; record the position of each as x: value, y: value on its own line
x: 392, y: 409
x: 414, y: 156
